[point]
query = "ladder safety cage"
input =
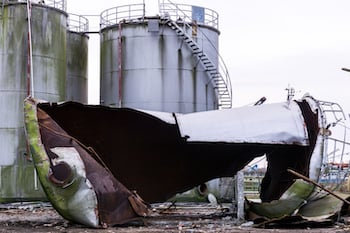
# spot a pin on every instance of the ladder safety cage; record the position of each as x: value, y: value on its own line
x: 335, y: 168
x: 185, y: 12
x: 175, y: 15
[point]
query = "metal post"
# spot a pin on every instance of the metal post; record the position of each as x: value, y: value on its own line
x: 240, y: 195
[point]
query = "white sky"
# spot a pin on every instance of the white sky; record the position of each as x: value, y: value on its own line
x: 267, y: 45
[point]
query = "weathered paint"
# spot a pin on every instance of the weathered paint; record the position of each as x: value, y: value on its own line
x: 291, y: 200
x: 322, y: 206
x: 222, y: 188
x: 136, y: 146
x: 157, y: 70
x: 283, y: 124
x: 66, y: 200
x: 299, y: 206
x: 78, y: 186
x: 18, y: 180
x: 77, y: 67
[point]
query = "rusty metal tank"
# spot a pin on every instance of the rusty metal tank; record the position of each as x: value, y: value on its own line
x: 146, y: 62
x: 18, y: 178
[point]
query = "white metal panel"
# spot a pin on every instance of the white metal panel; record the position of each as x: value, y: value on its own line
x: 83, y: 213
x: 280, y: 123
x: 164, y: 116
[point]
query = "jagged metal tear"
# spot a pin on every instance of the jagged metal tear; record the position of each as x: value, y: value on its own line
x: 162, y: 154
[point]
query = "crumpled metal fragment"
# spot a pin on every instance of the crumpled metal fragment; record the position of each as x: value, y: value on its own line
x: 302, y: 205
x: 79, y: 187
x: 90, y: 158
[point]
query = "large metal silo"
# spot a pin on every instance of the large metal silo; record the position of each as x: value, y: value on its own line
x: 18, y: 179
x: 77, y: 59
x: 165, y: 63
x: 146, y: 62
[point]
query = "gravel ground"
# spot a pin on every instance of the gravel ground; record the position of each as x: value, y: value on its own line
x: 180, y: 219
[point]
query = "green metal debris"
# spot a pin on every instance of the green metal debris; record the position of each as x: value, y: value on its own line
x: 290, y: 201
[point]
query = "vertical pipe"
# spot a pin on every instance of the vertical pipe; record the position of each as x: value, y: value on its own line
x: 30, y: 82
x: 144, y: 10
x: 36, y: 187
x: 120, y: 72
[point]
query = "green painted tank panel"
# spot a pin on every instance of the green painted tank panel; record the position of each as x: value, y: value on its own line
x: 18, y: 180
x: 77, y: 67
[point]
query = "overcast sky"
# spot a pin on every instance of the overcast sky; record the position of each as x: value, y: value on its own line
x: 267, y: 45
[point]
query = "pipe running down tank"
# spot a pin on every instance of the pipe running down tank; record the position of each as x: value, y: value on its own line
x: 91, y: 160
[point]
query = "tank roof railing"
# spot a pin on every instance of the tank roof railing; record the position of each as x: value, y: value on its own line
x: 176, y: 13
x: 77, y: 23
x: 186, y: 12
x: 58, y: 4
x: 114, y: 15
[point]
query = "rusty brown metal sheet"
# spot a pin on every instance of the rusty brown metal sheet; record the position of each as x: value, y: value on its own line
x: 116, y: 204
x: 123, y: 150
x: 148, y: 155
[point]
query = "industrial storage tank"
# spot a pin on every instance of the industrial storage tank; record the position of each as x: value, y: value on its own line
x: 163, y: 63
x: 77, y: 59
x: 169, y: 63
x: 18, y: 178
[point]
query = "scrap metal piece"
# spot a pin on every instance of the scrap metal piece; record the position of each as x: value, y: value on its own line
x: 319, y: 186
x: 294, y: 197
x: 298, y: 207
x: 116, y: 150
x: 79, y: 188
x: 326, y: 207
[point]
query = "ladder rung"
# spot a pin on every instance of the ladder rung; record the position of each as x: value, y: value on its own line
x: 197, y: 52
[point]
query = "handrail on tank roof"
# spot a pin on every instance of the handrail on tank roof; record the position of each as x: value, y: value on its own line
x: 114, y: 15
x: 58, y: 4
x: 185, y: 12
x: 188, y: 21
x: 77, y: 23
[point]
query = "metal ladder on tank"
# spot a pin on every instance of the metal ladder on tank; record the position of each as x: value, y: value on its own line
x: 221, y: 84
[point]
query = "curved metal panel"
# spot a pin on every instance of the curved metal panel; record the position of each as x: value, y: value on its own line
x: 77, y: 67
x: 48, y: 25
x: 158, y: 71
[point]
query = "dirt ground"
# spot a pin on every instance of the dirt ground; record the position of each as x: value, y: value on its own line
x: 193, y: 218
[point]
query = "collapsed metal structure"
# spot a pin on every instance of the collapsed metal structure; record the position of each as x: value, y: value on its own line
x: 92, y: 160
